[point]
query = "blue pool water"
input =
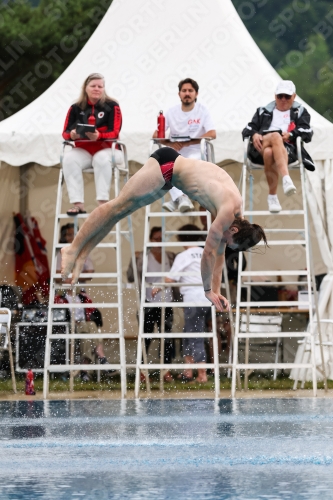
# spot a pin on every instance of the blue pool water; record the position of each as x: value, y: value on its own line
x: 167, y: 449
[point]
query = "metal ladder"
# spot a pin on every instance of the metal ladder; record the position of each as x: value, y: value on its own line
x: 303, y: 241
x: 207, y: 153
x: 110, y: 280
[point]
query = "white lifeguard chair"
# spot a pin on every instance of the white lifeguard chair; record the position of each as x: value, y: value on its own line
x: 106, y: 281
x: 300, y: 237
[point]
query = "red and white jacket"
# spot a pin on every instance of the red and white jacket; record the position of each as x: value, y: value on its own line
x: 84, y: 298
x: 108, y: 123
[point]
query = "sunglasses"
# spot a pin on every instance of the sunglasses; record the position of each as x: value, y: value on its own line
x: 284, y: 96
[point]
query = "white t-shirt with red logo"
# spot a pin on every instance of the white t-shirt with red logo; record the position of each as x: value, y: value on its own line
x: 192, y: 124
x: 281, y: 120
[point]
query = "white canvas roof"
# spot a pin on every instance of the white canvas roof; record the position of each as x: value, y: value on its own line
x: 144, y: 48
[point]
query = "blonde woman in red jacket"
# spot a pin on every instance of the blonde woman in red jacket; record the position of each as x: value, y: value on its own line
x: 96, y: 108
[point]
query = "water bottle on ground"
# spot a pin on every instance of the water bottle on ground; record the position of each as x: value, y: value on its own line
x: 29, y: 383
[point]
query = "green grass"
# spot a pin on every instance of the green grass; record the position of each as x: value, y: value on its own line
x: 256, y: 382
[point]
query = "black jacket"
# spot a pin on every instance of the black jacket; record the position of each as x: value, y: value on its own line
x: 263, y: 117
x: 262, y: 120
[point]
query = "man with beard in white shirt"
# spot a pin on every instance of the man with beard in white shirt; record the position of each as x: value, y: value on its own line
x: 187, y: 119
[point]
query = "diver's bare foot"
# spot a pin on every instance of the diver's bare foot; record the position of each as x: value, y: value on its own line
x: 67, y: 262
x: 78, y: 267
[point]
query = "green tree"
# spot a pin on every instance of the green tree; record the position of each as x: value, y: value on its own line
x: 296, y: 36
x: 312, y: 73
x: 38, y: 40
x: 38, y: 43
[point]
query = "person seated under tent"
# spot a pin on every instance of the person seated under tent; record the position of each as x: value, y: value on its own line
x: 90, y: 122
x: 187, y: 123
x: 273, y: 131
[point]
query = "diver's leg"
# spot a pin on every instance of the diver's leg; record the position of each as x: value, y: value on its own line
x: 142, y: 189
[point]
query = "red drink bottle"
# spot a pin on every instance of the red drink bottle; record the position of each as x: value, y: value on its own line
x: 29, y: 383
x: 161, y: 126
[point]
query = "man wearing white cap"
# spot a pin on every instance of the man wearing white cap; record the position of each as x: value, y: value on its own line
x: 273, y: 132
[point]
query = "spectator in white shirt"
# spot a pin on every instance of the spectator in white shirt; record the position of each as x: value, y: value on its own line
x: 195, y: 317
x: 187, y: 119
x: 273, y: 131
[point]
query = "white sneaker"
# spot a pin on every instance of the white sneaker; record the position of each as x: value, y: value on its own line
x: 273, y: 204
x: 170, y: 206
x: 185, y: 204
x: 288, y: 186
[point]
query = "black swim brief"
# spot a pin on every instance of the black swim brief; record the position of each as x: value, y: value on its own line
x: 166, y: 158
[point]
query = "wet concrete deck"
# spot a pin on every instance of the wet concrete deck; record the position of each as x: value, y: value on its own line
x: 190, y: 394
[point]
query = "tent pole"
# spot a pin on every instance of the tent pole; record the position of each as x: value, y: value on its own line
x: 316, y: 297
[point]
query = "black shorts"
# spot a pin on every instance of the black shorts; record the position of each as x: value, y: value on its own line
x: 166, y: 158
x: 256, y: 157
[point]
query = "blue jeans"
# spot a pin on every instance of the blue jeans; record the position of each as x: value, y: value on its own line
x: 195, y: 321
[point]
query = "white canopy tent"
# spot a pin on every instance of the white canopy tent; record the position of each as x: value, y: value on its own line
x: 144, y: 48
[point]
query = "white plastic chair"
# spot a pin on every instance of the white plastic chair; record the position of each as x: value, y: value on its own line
x: 5, y: 344
x: 258, y: 325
